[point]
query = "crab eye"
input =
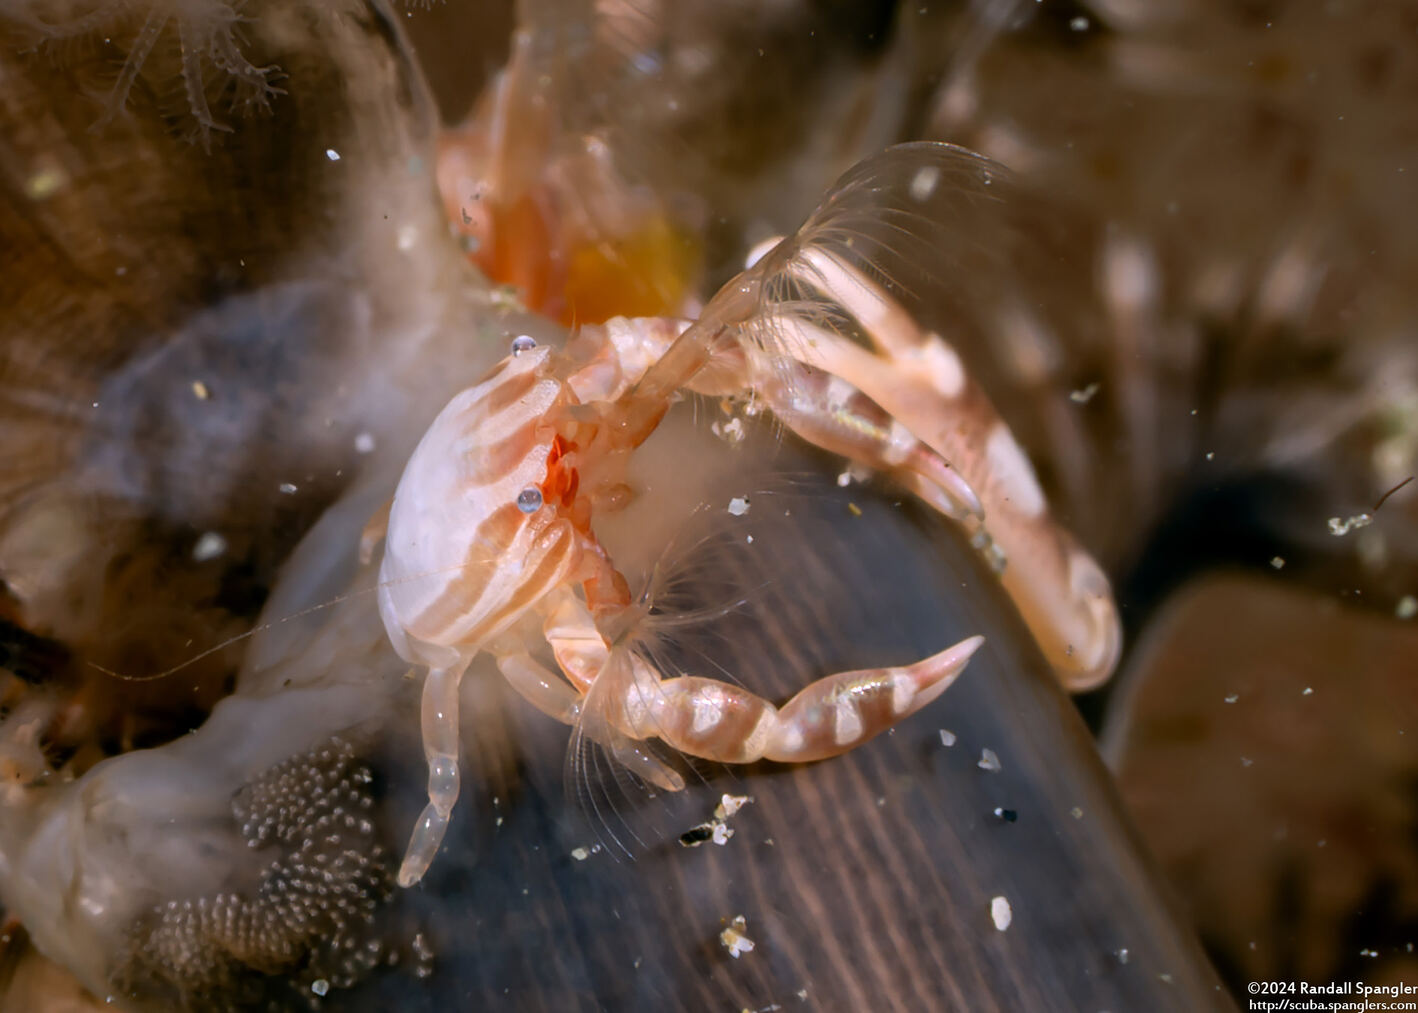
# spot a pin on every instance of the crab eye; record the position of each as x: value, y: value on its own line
x: 529, y: 500
x: 523, y: 343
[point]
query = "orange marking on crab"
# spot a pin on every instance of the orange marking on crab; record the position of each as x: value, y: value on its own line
x: 562, y: 479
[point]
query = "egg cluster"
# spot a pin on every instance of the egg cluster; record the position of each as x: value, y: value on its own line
x: 306, y: 925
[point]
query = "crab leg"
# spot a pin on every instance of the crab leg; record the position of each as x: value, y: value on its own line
x: 581, y: 654
x: 554, y: 697
x: 823, y: 409
x: 919, y: 381
x: 440, y: 749
x: 693, y: 350
x: 726, y: 723
x: 830, y: 413
x: 585, y: 658
x: 541, y: 687
x: 912, y: 412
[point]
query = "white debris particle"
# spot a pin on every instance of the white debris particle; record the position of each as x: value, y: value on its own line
x: 1368, y: 953
x: 580, y: 854
x: 734, y: 938
x: 1211, y: 455
x: 749, y: 539
x: 423, y: 956
x: 1076, y: 812
x: 738, y: 506
x: 332, y: 154
x: 200, y: 390
x: 1278, y: 562
x: 319, y: 986
x: 730, y: 432
x: 802, y: 992
x: 853, y: 473
x: 364, y: 443
x: 1232, y: 698
x: 730, y: 804
x: 1407, y: 607
x: 947, y: 738
x: 989, y: 761
x: 1084, y: 395
x: 1338, y: 527
x: 1308, y: 691
x: 210, y: 546
x: 1001, y: 913
x: 288, y: 487
x: 1079, y: 24
x: 717, y: 829
x: 1246, y: 761
x: 923, y: 184
x: 1122, y: 955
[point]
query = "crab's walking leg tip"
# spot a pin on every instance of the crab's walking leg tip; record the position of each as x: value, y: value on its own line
x: 1092, y: 636
x: 647, y: 766
x: 1100, y: 662
x: 423, y: 844
x: 443, y: 784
